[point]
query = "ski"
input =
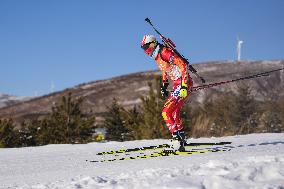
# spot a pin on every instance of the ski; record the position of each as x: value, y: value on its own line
x: 164, y: 153
x: 161, y: 146
x: 134, y: 149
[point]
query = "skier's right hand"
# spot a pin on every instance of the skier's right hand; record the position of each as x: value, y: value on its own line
x: 164, y: 87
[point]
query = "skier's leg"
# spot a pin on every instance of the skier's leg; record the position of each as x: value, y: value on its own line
x: 178, y: 135
x: 176, y: 114
x: 180, y: 102
x: 167, y: 113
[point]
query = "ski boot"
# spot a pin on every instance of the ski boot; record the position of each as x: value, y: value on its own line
x: 179, y: 137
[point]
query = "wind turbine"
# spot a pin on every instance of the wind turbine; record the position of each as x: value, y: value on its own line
x: 239, y: 46
x: 52, y: 87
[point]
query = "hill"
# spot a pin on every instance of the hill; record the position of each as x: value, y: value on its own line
x: 128, y: 88
x: 8, y: 100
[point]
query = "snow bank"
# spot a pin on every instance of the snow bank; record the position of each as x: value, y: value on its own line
x: 255, y: 161
x: 249, y: 172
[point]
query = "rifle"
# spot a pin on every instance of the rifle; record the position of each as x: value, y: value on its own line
x: 169, y: 43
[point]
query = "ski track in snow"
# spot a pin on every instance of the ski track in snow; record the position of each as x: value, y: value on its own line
x: 254, y: 161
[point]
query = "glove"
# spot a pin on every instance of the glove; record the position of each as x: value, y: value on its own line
x: 164, y: 91
x: 183, y: 92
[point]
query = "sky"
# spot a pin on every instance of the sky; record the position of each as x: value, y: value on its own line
x: 51, y: 45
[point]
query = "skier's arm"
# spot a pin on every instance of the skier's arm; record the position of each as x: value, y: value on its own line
x: 167, y: 56
x: 184, y: 71
x: 164, y: 85
x: 164, y: 76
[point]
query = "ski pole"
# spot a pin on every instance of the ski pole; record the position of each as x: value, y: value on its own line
x: 169, y: 43
x: 197, y: 88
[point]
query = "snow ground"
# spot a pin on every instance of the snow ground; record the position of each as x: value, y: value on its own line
x: 255, y: 161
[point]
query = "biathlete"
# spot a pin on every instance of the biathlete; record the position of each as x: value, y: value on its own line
x: 174, y: 68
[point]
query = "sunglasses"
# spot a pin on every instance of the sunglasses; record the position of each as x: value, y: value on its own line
x: 146, y: 46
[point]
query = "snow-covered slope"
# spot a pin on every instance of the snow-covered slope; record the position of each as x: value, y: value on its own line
x: 254, y: 161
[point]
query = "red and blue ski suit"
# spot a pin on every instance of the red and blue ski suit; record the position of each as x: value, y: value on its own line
x: 174, y: 68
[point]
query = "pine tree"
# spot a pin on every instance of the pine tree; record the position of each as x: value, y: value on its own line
x: 69, y: 121
x: 273, y: 122
x: 152, y: 125
x: 132, y: 121
x: 28, y: 134
x: 66, y: 124
x: 115, y: 123
x: 8, y: 136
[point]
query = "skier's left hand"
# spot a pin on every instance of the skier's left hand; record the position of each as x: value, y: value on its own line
x: 164, y: 87
x: 183, y: 92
